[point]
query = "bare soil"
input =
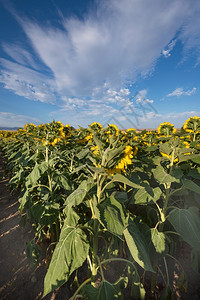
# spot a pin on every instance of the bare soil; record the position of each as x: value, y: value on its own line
x: 18, y: 281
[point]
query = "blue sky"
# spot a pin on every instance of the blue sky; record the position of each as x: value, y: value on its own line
x: 133, y: 63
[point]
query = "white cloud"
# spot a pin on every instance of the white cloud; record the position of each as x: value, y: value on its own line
x: 167, y: 51
x: 180, y: 92
x: 8, y: 119
x: 20, y: 55
x: 118, y: 42
x: 26, y: 82
x: 152, y: 120
x: 190, y: 33
x: 90, y: 59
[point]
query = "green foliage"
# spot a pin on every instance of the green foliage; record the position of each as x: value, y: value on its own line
x: 101, y: 195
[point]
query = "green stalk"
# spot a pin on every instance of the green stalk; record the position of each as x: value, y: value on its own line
x: 167, y: 273
x: 195, y: 127
x: 80, y: 287
x: 47, y: 161
x: 119, y: 259
x: 95, y: 250
x: 168, y: 185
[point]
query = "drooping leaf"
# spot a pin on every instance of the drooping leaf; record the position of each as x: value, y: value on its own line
x: 83, y: 153
x: 65, y: 182
x: 162, y: 176
x: 72, y: 217
x: 69, y: 254
x: 34, y: 176
x: 146, y: 196
x: 23, y: 200
x: 76, y: 197
x: 105, y: 291
x: 187, y: 223
x: 123, y: 179
x: 190, y: 185
x: 138, y: 246
x: 165, y: 148
x: 113, y: 216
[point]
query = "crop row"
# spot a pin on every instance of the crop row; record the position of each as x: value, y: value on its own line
x: 97, y: 196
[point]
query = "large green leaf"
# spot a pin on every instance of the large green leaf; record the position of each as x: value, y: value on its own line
x: 165, y: 148
x: 113, y: 216
x: 105, y: 291
x: 147, y: 195
x: 33, y: 176
x: 76, y: 197
x: 187, y: 223
x: 190, y: 185
x: 162, y: 176
x: 72, y: 217
x: 138, y: 246
x: 69, y: 254
x: 82, y: 153
x: 123, y: 179
x: 79, y: 194
x: 196, y: 159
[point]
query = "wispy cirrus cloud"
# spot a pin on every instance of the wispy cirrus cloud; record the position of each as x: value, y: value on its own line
x: 24, y: 81
x: 180, y: 92
x: 89, y: 59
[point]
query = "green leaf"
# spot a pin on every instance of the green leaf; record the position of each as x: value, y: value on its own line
x: 105, y: 291
x: 194, y: 173
x: 123, y: 179
x: 79, y: 194
x: 196, y: 159
x: 23, y: 200
x: 69, y: 254
x: 190, y: 185
x: 121, y: 197
x: 158, y: 240
x: 147, y: 195
x: 187, y: 223
x: 113, y: 216
x: 162, y: 176
x: 165, y: 148
x: 43, y: 167
x: 195, y: 260
x: 137, y: 245
x: 33, y: 252
x: 83, y: 153
x: 64, y: 182
x: 33, y: 176
x: 75, y: 198
x: 72, y: 217
x: 49, y: 214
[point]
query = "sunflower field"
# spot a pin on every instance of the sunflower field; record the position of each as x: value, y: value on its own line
x: 98, y: 197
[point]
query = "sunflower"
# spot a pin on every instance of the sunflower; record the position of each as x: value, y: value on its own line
x: 96, y: 126
x: 166, y: 129
x: 124, y: 162
x: 112, y: 130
